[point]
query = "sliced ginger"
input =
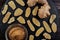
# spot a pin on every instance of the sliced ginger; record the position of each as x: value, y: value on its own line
x: 36, y: 22
x: 52, y: 18
x: 18, y: 12
x: 31, y: 37
x: 30, y: 25
x: 39, y: 31
x: 12, y: 5
x: 54, y: 27
x: 21, y: 20
x: 5, y: 19
x: 47, y: 27
x: 35, y: 10
x: 4, y: 9
x: 12, y: 19
x: 20, y: 2
x: 47, y: 36
x: 27, y: 12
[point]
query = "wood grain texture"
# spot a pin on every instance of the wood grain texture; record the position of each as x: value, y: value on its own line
x: 57, y: 3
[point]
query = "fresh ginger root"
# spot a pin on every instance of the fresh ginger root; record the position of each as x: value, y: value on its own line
x: 32, y: 2
x: 44, y: 10
x: 42, y: 1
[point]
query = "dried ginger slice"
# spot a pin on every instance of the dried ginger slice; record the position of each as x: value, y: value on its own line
x: 35, y: 10
x: 5, y: 19
x: 27, y: 12
x: 21, y: 20
x: 4, y: 9
x: 30, y: 25
x: 47, y: 27
x: 18, y: 12
x: 12, y: 19
x: 54, y: 27
x: 39, y: 31
x: 52, y: 18
x: 20, y: 2
x: 47, y: 36
x: 12, y: 5
x: 36, y: 22
x: 31, y: 37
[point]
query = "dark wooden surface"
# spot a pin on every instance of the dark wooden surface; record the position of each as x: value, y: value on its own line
x: 57, y: 3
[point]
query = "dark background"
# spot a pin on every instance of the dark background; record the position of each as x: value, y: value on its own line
x: 56, y: 2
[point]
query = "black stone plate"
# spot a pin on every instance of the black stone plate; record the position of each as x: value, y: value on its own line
x: 53, y: 10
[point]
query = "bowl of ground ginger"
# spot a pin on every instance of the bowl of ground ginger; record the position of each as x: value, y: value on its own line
x: 16, y: 32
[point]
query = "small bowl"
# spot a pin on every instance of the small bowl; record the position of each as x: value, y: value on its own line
x: 15, y: 25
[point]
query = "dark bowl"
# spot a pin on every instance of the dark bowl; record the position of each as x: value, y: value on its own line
x: 15, y: 25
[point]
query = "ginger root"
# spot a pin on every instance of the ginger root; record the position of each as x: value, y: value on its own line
x: 44, y: 11
x: 32, y: 2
